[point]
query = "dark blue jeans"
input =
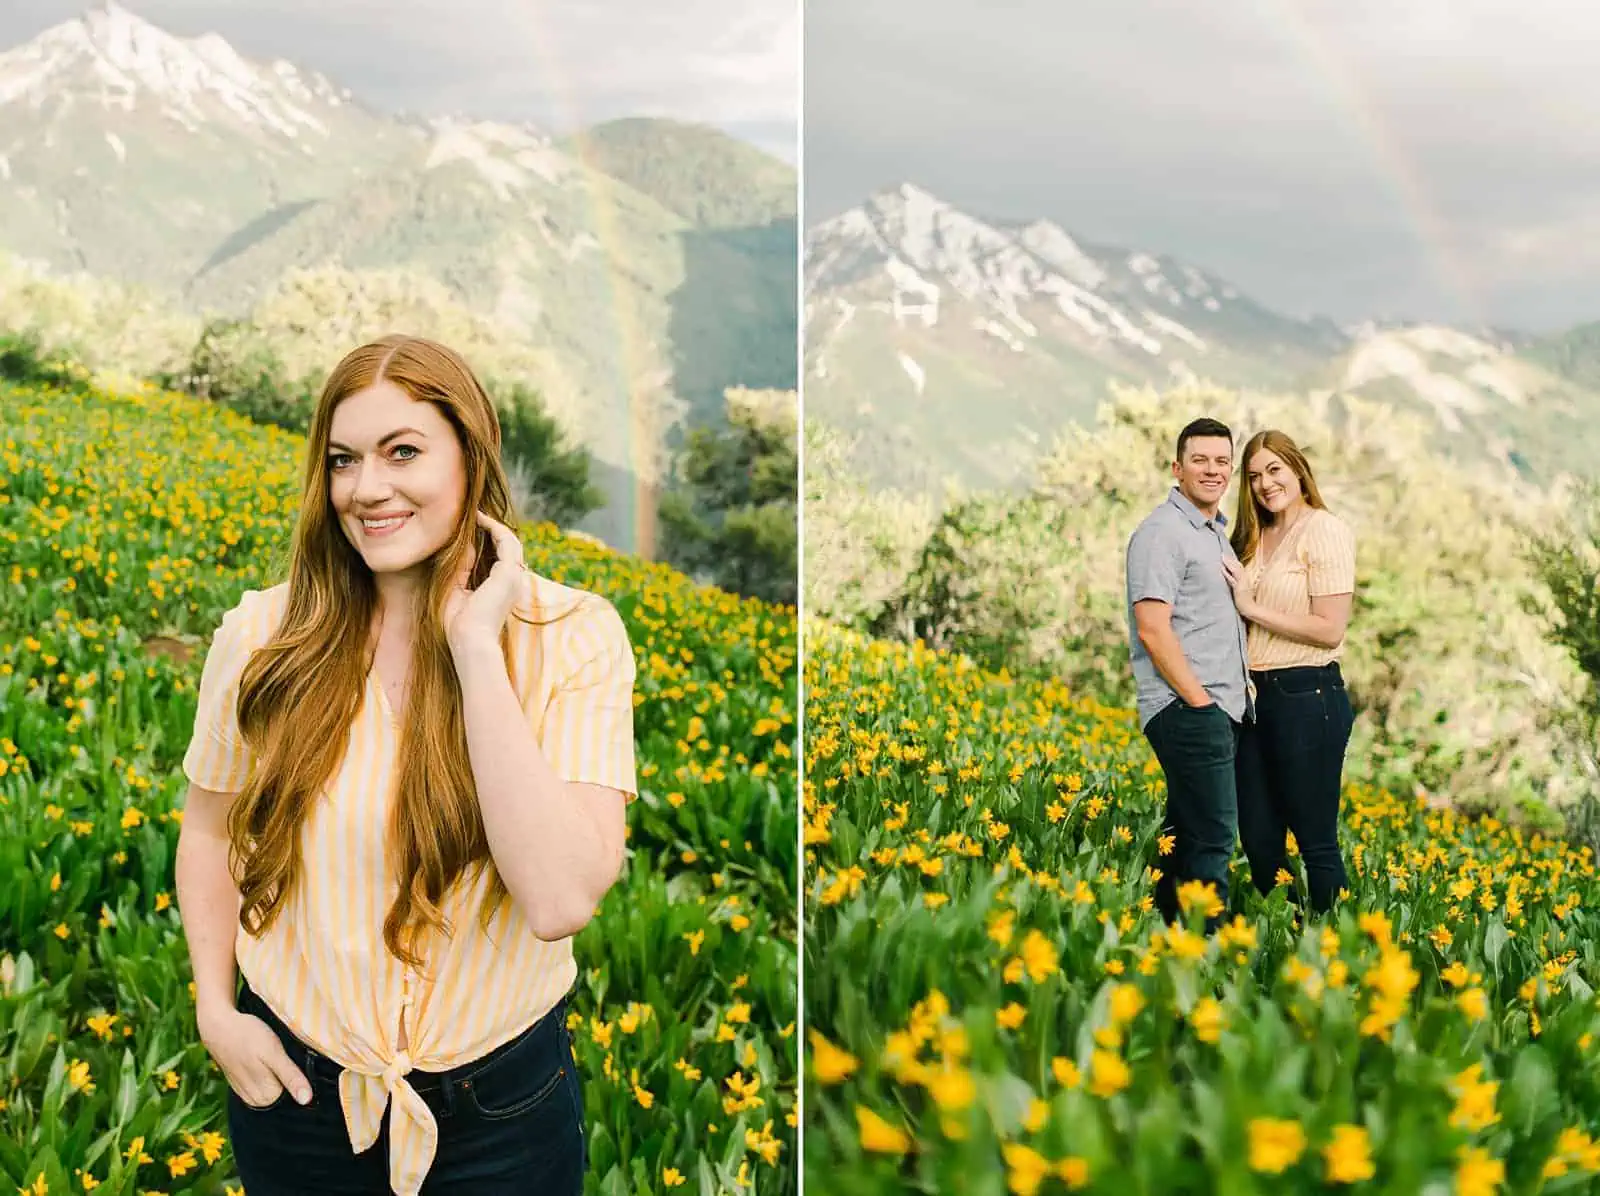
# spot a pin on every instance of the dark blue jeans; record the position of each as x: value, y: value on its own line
x: 1291, y: 765
x: 510, y: 1123
x: 1195, y: 747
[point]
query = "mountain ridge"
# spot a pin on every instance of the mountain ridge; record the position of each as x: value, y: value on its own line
x: 988, y: 337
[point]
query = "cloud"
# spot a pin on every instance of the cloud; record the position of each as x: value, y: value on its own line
x: 731, y: 63
x: 1356, y: 158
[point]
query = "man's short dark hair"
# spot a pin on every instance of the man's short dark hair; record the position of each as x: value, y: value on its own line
x: 1205, y: 426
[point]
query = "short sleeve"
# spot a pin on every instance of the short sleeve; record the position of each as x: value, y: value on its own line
x: 218, y: 757
x: 587, y: 730
x: 1330, y: 555
x: 1154, y: 570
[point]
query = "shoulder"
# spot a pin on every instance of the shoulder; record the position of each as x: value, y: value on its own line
x: 1155, y: 527
x: 252, y: 620
x: 573, y: 624
x: 1330, y: 530
x: 556, y: 604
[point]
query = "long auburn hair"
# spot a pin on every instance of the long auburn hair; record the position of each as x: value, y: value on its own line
x: 1250, y: 516
x: 299, y: 694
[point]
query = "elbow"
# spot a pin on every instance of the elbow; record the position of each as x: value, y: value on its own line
x: 563, y: 917
x: 553, y: 916
x: 561, y: 920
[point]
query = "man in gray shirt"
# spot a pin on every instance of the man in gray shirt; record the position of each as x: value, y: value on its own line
x: 1190, y: 661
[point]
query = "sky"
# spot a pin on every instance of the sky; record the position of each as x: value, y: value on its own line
x: 556, y: 63
x: 1360, y: 159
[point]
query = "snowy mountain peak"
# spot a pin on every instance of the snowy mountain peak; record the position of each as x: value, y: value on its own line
x: 916, y: 258
x: 1054, y: 245
x: 115, y: 58
x: 508, y: 157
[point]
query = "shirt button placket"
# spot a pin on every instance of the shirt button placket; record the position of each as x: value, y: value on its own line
x: 407, y: 1006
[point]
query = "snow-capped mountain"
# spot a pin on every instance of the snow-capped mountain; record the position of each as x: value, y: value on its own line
x: 128, y: 151
x: 919, y: 258
x: 958, y: 345
x: 115, y: 61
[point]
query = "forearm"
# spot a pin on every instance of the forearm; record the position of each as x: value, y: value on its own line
x: 1320, y: 631
x: 546, y: 842
x: 1166, y: 653
x: 208, y: 906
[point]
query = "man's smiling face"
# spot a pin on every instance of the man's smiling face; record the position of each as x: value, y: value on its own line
x: 1204, y: 470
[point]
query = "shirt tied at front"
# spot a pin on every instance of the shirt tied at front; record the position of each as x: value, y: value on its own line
x: 364, y: 1096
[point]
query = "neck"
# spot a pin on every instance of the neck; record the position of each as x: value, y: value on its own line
x: 398, y: 594
x: 1208, y: 510
x: 1290, y: 515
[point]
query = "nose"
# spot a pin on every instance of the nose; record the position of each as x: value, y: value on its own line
x: 372, y: 487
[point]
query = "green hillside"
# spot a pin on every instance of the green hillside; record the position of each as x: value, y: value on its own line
x: 686, y: 168
x: 1575, y: 355
x: 129, y: 521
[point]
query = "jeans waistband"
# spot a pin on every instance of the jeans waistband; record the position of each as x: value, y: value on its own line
x: 1299, y: 672
x: 319, y: 1069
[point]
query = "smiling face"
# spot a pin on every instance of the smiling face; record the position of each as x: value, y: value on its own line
x: 396, y: 477
x: 1204, y: 470
x: 1273, y: 483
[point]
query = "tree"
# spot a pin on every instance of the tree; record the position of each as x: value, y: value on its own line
x: 1567, y: 560
x: 731, y: 518
x: 25, y: 360
x: 549, y: 478
x: 861, y: 544
x: 234, y: 364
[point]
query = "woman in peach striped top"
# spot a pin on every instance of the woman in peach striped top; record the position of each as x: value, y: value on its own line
x: 408, y: 778
x: 1294, y: 584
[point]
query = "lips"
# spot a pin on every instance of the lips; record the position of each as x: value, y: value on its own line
x: 385, y: 526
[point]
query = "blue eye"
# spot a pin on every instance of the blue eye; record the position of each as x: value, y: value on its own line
x: 405, y: 448
x: 334, y: 461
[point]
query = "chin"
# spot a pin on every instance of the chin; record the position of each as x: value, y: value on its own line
x: 397, y: 564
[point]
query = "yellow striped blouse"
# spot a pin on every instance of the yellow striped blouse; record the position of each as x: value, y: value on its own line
x: 323, y: 966
x: 1317, y: 558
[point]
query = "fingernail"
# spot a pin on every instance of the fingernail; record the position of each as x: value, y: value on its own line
x: 302, y: 1095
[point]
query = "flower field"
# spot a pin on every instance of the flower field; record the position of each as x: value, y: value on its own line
x: 128, y: 524
x: 992, y: 1005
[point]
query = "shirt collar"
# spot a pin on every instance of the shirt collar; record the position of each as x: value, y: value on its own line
x: 1192, y: 512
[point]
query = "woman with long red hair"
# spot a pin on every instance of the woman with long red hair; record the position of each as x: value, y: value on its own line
x: 408, y: 777
x: 1294, y: 584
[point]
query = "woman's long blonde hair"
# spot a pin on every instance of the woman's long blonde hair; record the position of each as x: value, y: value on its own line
x: 1249, y: 516
x: 299, y: 694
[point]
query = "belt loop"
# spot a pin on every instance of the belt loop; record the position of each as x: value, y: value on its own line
x: 447, y: 1093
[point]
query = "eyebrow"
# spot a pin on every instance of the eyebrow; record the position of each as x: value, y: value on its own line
x: 334, y: 444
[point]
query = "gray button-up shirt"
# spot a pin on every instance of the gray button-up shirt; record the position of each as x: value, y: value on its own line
x: 1176, y: 556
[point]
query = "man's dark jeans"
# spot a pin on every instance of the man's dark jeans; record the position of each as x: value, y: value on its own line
x: 1196, y: 746
x: 1290, y: 767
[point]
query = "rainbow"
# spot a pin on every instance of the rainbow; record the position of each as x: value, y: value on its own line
x: 1318, y: 47
x: 631, y: 367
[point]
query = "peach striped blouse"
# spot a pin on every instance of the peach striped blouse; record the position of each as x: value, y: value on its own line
x: 1318, y: 557
x: 323, y: 966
